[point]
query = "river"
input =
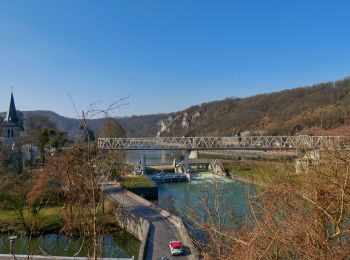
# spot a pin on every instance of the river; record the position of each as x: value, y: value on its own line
x: 122, y: 246
x: 195, y: 201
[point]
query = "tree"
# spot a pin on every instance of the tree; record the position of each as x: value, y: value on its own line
x: 35, y: 125
x: 42, y: 140
x: 50, y: 138
x: 112, y: 128
x: 76, y: 176
x: 59, y: 140
x: 305, y: 216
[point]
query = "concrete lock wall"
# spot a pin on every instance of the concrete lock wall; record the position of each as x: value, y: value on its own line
x: 183, y: 232
x: 174, y: 220
x: 193, y: 154
x: 138, y: 227
x: 150, y: 193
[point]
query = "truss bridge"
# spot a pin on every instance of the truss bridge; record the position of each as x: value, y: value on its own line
x: 227, y: 143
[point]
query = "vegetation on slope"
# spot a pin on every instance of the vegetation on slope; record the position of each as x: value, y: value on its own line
x: 317, y: 108
x: 286, y: 112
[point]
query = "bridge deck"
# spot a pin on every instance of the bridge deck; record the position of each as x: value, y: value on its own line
x: 226, y: 143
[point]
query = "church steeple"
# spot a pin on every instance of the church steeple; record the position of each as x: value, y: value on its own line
x: 11, y: 116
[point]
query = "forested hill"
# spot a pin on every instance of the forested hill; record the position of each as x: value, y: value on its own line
x: 310, y: 109
x: 140, y: 126
x: 322, y: 106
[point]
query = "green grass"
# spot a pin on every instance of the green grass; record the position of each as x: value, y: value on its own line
x: 137, y: 182
x: 6, y: 215
x: 251, y: 173
x: 258, y: 171
x: 47, y: 219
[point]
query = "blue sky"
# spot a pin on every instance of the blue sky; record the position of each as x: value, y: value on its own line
x: 166, y: 54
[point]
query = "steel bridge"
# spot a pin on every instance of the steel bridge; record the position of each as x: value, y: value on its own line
x: 227, y: 143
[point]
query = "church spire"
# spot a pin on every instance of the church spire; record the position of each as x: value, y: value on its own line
x: 11, y: 116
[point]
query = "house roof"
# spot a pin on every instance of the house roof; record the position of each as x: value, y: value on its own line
x: 11, y: 116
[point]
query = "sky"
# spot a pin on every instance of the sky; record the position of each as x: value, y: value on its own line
x: 165, y: 55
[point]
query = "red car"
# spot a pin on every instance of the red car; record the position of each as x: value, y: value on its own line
x: 175, y: 248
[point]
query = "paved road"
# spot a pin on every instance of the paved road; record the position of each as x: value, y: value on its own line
x: 162, y: 231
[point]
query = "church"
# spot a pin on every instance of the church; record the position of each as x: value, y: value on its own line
x: 11, y: 126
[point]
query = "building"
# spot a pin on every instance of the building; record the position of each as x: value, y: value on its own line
x: 11, y: 126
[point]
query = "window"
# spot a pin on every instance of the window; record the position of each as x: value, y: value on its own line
x: 10, y: 133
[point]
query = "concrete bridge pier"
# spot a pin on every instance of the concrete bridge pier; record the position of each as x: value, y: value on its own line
x: 186, y: 157
x: 193, y: 154
x: 163, y: 156
x: 143, y: 162
x: 305, y: 160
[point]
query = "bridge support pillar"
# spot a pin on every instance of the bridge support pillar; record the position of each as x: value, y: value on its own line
x: 193, y: 154
x: 306, y: 160
x: 143, y: 162
x: 163, y: 156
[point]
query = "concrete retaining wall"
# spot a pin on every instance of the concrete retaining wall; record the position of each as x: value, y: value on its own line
x: 183, y: 232
x: 137, y: 226
x: 173, y: 219
x: 150, y: 193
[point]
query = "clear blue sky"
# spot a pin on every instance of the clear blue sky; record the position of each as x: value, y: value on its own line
x: 166, y: 54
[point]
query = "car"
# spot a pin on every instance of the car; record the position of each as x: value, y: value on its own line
x: 175, y: 248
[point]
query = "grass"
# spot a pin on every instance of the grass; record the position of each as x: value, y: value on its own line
x: 137, y: 182
x: 251, y: 173
x: 47, y: 219
x: 258, y: 171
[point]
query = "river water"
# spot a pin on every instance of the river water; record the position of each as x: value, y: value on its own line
x: 210, y: 199
x: 199, y: 200
x: 121, y: 246
x: 153, y: 156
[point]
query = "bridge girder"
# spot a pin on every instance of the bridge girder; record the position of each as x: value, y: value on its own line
x: 227, y: 143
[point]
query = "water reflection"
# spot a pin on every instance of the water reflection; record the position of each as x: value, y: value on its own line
x: 153, y: 156
x: 207, y: 199
x: 122, y: 246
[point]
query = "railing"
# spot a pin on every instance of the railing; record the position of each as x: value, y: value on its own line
x: 226, y: 143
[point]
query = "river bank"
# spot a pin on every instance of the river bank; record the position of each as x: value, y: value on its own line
x: 248, y: 155
x: 41, y: 234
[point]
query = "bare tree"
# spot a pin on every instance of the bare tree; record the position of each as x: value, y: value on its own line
x: 77, y: 176
x: 296, y: 216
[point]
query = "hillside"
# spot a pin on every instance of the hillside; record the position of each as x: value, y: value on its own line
x: 134, y: 126
x: 309, y: 110
x: 322, y: 106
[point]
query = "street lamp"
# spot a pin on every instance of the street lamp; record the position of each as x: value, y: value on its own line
x: 12, y: 243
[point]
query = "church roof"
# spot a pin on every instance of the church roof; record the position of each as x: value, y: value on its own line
x: 11, y: 116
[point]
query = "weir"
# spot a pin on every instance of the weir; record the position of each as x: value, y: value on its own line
x: 217, y: 168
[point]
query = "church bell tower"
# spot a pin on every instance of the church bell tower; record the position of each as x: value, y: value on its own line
x: 12, y: 125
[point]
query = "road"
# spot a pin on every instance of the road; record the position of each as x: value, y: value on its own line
x: 162, y: 231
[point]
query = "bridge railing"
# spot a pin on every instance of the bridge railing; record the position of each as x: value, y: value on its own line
x: 226, y: 143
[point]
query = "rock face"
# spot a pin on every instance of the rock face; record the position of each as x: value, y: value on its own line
x: 180, y: 122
